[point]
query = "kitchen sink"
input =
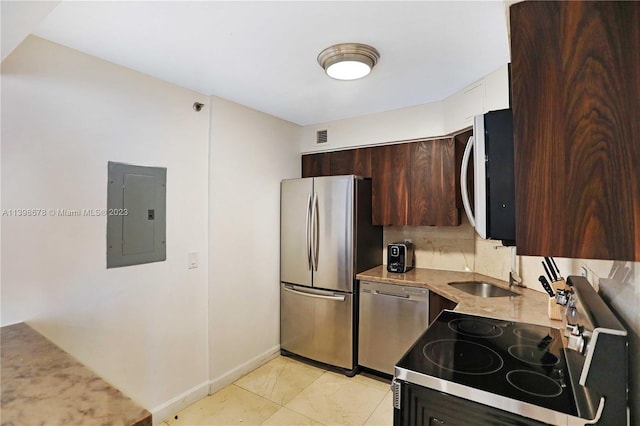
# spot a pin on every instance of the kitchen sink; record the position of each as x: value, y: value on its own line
x: 482, y: 289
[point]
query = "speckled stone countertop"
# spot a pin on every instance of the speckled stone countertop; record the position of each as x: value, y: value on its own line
x: 529, y: 307
x: 43, y: 385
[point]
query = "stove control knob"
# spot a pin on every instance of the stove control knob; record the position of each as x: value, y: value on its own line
x: 576, y: 342
x: 574, y: 330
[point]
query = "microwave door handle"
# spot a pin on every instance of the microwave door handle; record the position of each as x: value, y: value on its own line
x: 463, y: 180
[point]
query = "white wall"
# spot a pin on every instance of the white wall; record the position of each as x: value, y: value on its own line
x: 18, y: 19
x: 421, y: 121
x: 251, y: 152
x: 64, y: 115
x: 384, y: 127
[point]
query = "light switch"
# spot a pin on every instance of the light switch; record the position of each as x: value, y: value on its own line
x: 192, y: 260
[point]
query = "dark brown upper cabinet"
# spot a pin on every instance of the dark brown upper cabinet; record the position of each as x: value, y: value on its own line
x: 414, y: 184
x: 576, y: 106
x: 346, y: 162
x: 433, y: 182
x: 316, y: 165
x: 391, y: 174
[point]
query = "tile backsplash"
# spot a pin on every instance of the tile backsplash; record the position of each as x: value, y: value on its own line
x: 452, y: 248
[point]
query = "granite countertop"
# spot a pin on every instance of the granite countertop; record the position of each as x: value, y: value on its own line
x: 529, y: 307
x: 42, y: 384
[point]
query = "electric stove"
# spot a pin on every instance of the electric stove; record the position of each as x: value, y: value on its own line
x: 520, y: 373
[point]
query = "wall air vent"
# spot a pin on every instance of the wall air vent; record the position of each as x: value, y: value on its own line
x: 321, y: 136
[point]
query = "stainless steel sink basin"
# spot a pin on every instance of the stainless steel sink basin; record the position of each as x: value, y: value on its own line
x: 482, y: 289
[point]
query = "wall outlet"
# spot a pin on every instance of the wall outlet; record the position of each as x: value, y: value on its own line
x: 584, y: 272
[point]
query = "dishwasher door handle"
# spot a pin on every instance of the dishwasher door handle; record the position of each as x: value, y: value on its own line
x: 399, y: 296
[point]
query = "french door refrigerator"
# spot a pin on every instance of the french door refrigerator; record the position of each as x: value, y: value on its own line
x: 326, y: 238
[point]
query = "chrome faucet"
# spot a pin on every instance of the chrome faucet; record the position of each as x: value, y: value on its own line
x: 514, y: 278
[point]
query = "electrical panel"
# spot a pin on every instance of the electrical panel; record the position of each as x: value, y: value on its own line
x: 136, y: 214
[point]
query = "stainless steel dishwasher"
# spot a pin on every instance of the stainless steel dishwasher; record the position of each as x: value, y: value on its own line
x: 392, y: 317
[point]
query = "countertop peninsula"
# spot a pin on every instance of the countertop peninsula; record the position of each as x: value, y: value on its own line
x: 44, y: 385
x: 529, y: 307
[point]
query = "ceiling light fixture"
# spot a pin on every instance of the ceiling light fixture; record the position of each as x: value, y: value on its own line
x: 348, y: 61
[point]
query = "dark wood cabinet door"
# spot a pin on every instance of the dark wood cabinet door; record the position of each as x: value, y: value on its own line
x: 390, y: 175
x: 433, y: 183
x: 576, y: 105
x: 342, y: 162
x: 348, y: 162
x: 316, y: 165
x: 362, y: 162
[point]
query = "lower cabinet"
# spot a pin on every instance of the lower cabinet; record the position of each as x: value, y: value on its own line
x: 438, y: 304
x: 427, y: 407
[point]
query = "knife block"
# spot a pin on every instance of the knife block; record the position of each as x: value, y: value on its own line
x: 555, y: 311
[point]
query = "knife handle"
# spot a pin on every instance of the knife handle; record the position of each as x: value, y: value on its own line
x: 554, y: 277
x: 556, y: 267
x: 546, y: 286
x: 546, y: 269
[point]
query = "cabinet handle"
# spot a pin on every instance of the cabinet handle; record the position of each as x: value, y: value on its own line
x: 434, y: 421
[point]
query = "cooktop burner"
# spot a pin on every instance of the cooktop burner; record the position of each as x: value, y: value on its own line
x: 533, y: 355
x: 518, y: 361
x: 534, y: 383
x: 533, y: 335
x: 475, y: 327
x: 463, y: 357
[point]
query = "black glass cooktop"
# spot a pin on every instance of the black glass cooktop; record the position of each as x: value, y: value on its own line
x: 520, y: 361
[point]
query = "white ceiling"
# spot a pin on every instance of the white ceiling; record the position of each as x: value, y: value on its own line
x: 263, y: 54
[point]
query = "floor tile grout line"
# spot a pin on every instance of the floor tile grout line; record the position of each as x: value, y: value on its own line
x: 322, y: 372
x: 291, y: 399
x: 377, y: 406
x: 298, y: 393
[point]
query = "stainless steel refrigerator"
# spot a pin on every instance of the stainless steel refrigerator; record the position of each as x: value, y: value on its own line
x: 326, y: 238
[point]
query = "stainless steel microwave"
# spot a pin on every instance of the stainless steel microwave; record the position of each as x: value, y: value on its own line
x: 493, y: 215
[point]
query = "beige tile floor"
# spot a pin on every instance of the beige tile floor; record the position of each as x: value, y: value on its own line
x: 288, y: 392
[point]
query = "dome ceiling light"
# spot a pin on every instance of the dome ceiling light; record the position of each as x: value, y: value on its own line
x: 348, y: 61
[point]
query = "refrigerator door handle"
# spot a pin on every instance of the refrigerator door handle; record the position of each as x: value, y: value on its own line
x: 315, y: 224
x: 308, y: 231
x: 339, y: 298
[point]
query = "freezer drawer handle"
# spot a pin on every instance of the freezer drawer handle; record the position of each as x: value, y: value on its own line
x: 317, y: 296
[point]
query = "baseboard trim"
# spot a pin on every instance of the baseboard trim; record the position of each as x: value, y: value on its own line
x: 233, y: 375
x: 168, y: 409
